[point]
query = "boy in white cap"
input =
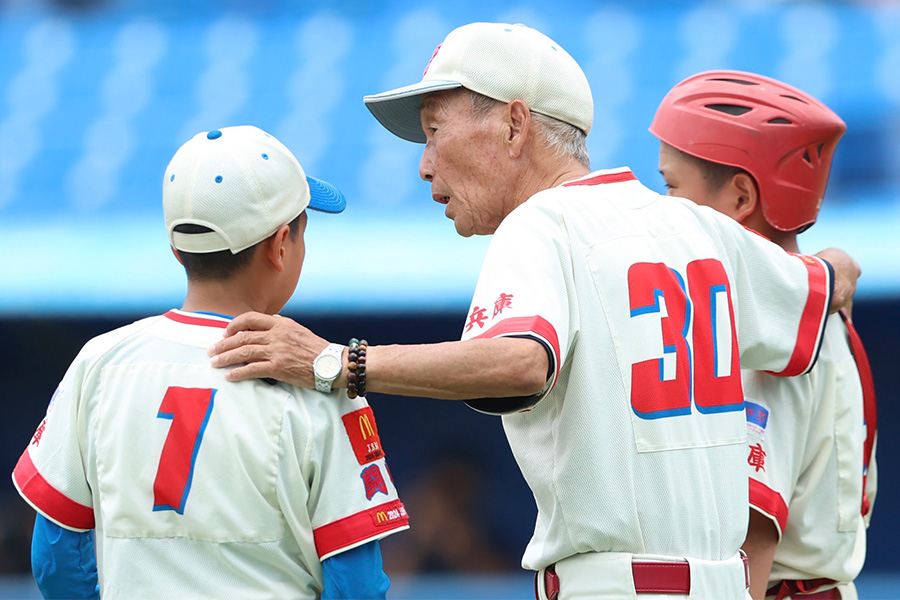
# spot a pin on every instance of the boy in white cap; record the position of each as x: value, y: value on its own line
x: 195, y: 486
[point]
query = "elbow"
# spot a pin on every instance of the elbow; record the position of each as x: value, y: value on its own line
x: 532, y: 378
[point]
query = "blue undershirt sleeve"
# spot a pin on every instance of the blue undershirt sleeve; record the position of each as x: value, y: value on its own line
x: 356, y: 573
x: 63, y: 561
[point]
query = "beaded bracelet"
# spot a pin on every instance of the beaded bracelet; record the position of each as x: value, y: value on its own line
x: 356, y: 370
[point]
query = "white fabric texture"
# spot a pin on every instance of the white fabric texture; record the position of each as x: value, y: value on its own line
x: 813, y: 460
x: 604, y: 477
x: 274, y: 482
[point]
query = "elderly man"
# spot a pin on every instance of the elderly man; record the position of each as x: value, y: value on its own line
x: 605, y: 326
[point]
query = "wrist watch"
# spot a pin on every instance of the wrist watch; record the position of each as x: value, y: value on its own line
x: 327, y: 366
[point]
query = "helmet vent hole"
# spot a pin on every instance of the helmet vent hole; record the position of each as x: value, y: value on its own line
x: 731, y: 109
x: 806, y: 156
x: 738, y: 81
x: 780, y: 121
x: 819, y: 150
x: 794, y: 98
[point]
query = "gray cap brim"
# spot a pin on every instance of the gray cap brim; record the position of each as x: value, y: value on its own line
x: 398, y: 110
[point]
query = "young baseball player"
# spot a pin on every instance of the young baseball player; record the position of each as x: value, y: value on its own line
x: 760, y: 151
x: 195, y: 486
x: 604, y: 325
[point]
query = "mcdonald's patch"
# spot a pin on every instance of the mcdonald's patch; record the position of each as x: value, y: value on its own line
x: 374, y: 481
x: 363, y: 434
x: 388, y: 514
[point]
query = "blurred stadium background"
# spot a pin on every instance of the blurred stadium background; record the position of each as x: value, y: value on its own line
x: 96, y: 95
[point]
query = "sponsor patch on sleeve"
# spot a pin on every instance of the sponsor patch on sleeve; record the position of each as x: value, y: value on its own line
x: 757, y: 419
x: 363, y: 433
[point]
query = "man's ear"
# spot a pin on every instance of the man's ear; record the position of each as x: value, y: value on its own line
x: 518, y: 124
x: 275, y: 247
x: 747, y: 196
x: 176, y: 255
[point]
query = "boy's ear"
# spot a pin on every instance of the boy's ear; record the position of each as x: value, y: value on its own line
x: 274, y: 247
x: 747, y: 196
x: 177, y: 255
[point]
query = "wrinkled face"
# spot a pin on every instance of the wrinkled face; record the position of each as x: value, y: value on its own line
x: 685, y: 179
x: 464, y: 160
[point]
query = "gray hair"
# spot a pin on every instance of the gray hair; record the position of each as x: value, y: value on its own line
x: 564, y: 139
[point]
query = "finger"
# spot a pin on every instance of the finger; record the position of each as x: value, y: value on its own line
x: 256, y: 370
x: 242, y: 354
x: 241, y: 338
x: 250, y: 320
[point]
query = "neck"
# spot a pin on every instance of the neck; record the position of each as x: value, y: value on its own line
x: 538, y: 181
x: 786, y: 239
x: 221, y: 297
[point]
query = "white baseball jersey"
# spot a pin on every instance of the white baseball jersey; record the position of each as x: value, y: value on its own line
x: 198, y: 487
x: 638, y: 442
x: 806, y: 437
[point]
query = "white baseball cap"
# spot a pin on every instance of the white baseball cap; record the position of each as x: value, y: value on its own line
x: 242, y: 184
x: 504, y: 62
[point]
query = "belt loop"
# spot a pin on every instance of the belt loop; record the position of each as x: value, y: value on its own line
x: 551, y: 583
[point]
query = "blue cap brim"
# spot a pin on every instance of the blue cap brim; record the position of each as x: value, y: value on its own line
x: 325, y: 197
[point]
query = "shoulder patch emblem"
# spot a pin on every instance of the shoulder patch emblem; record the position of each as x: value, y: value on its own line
x: 374, y: 481
x: 363, y: 433
x: 757, y: 419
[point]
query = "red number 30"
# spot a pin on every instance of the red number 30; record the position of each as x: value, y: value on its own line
x: 689, y: 369
x: 189, y: 410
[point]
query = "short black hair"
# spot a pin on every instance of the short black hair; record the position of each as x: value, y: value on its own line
x: 222, y: 265
x: 714, y: 174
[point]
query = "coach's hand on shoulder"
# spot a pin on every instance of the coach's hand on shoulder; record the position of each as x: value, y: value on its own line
x: 846, y: 272
x: 268, y: 346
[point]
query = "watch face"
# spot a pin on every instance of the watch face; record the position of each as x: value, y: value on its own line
x: 327, y: 366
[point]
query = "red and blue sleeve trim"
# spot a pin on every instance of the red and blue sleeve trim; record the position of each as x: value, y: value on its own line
x: 770, y: 503
x: 372, y: 523
x: 536, y: 328
x: 812, y: 320
x: 48, y: 500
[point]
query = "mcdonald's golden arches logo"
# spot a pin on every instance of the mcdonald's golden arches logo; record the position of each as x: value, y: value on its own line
x: 363, y: 433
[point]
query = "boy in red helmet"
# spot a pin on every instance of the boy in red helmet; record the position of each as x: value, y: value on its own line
x: 760, y: 151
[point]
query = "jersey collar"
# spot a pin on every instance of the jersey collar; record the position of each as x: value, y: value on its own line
x: 198, y: 318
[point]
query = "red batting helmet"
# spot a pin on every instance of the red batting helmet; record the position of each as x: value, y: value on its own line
x: 783, y: 137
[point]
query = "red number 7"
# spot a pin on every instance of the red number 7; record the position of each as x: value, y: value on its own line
x: 189, y: 410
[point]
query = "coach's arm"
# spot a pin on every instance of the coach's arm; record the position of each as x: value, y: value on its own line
x: 277, y: 347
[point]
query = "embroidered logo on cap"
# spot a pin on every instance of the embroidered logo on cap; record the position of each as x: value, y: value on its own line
x: 433, y: 54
